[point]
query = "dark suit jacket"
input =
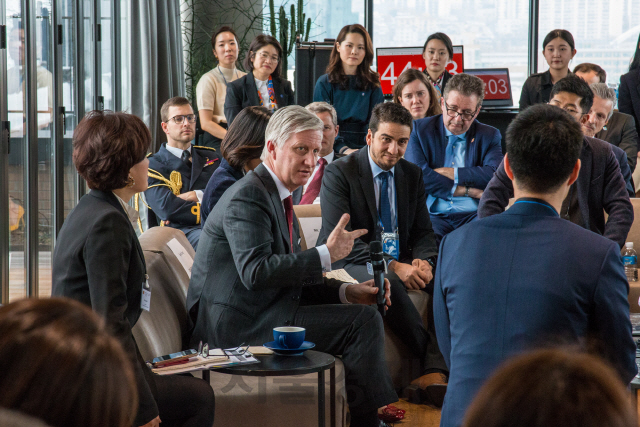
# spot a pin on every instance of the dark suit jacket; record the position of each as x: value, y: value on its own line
x: 223, y: 178
x: 427, y: 147
x: 297, y: 194
x: 621, y: 132
x: 536, y: 89
x: 532, y: 280
x: 99, y: 262
x: 621, y: 157
x: 600, y: 185
x: 243, y: 92
x: 245, y: 281
x: 347, y: 187
x: 181, y: 214
x: 629, y: 95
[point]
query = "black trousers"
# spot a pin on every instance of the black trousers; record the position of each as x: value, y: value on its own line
x: 356, y: 333
x: 405, y: 321
x: 183, y: 400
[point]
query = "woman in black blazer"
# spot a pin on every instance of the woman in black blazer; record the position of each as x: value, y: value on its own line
x: 99, y: 262
x: 558, y: 48
x: 263, y: 86
x: 629, y: 91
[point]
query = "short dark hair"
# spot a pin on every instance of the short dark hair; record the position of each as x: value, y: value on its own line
x: 61, y: 365
x: 389, y: 112
x: 587, y: 67
x: 466, y: 85
x: 575, y: 85
x: 552, y: 387
x: 223, y: 29
x: 176, y: 101
x: 258, y: 43
x: 444, y: 39
x: 106, y: 145
x: 543, y: 144
x: 410, y: 75
x: 244, y: 140
x: 563, y: 34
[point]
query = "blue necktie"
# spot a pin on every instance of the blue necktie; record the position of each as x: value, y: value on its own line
x: 385, y: 206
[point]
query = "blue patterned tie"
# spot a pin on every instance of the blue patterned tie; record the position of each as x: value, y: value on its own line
x: 385, y: 206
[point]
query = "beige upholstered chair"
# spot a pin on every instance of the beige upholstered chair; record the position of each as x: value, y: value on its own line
x: 310, y: 222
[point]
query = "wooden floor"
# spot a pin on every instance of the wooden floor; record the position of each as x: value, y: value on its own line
x: 418, y: 415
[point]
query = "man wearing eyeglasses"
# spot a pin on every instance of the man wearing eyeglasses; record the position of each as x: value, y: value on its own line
x: 457, y: 154
x: 179, y: 172
x: 600, y: 186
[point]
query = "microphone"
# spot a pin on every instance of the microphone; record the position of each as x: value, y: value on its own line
x: 378, y: 268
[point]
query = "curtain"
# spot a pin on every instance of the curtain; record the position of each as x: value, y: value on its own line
x: 157, y: 66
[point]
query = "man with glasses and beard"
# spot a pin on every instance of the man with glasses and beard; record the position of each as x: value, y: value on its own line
x: 179, y: 172
x: 457, y: 154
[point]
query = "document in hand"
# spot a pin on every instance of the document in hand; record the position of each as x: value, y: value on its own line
x: 217, y: 358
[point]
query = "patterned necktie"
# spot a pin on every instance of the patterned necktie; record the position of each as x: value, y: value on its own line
x: 385, y: 205
x: 313, y: 189
x: 186, y: 158
x: 288, y: 211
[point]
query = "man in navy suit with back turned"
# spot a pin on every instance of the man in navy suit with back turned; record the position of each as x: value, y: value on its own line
x: 179, y: 172
x: 457, y: 154
x: 531, y: 279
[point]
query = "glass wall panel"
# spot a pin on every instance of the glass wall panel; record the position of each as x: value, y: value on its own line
x: 16, y: 115
x: 88, y: 52
x: 605, y: 31
x: 44, y: 76
x: 493, y: 32
x: 106, y: 50
x: 125, y: 63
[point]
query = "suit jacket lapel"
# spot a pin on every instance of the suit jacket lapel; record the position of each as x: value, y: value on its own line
x: 583, y: 183
x: 471, y: 145
x: 252, y: 90
x: 197, y: 164
x: 272, y: 189
x: 401, y: 198
x: 440, y: 147
x: 278, y: 91
x: 366, y: 182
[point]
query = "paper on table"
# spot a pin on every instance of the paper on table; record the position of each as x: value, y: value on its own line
x: 255, y: 350
x: 181, y: 253
x: 341, y: 275
x: 310, y: 229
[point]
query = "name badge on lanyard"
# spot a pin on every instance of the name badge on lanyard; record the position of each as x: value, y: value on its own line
x: 391, y: 244
x: 145, y: 302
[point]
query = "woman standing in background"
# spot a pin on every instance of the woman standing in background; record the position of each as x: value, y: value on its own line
x: 437, y: 52
x: 351, y: 86
x: 212, y: 87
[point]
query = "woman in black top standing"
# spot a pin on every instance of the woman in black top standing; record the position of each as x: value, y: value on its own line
x: 558, y: 49
x: 629, y: 96
x: 437, y: 52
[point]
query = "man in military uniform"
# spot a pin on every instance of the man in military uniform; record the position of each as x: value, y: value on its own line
x: 179, y: 172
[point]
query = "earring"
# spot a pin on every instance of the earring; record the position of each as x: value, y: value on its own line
x: 131, y: 182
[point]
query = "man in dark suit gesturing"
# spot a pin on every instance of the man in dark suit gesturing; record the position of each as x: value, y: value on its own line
x: 250, y: 276
x: 530, y: 278
x: 384, y: 194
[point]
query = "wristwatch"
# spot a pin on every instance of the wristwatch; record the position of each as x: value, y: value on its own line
x: 466, y: 191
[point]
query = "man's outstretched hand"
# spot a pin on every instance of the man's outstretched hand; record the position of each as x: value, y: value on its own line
x: 340, y: 241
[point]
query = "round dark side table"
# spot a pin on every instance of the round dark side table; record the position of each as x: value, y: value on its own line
x: 274, y: 365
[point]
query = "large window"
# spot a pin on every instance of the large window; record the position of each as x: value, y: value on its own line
x: 605, y: 31
x: 494, y: 33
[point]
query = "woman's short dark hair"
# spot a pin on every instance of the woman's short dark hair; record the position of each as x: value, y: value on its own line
x: 575, y: 85
x: 410, y: 75
x: 389, y: 112
x: 563, y: 34
x: 223, y: 29
x: 61, y: 365
x: 366, y: 78
x: 444, y: 39
x: 258, y: 43
x: 635, y: 62
x: 543, y: 145
x: 244, y: 140
x: 106, y: 145
x: 552, y: 387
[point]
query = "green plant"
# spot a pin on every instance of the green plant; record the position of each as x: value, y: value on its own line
x: 289, y: 28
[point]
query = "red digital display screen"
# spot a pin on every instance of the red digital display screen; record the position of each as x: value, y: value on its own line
x: 392, y: 61
x: 497, y: 85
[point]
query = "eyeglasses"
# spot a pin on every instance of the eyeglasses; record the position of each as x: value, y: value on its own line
x: 180, y: 118
x: 465, y: 115
x: 266, y: 57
